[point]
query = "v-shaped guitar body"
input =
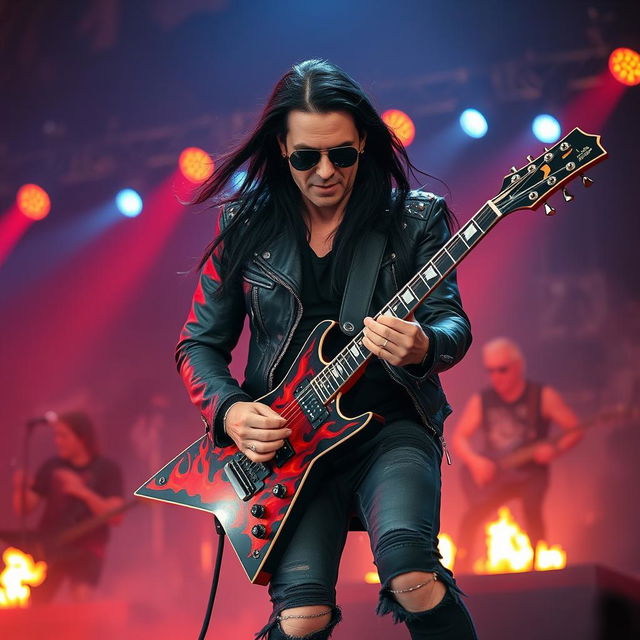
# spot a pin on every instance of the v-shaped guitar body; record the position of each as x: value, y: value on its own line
x: 259, y: 504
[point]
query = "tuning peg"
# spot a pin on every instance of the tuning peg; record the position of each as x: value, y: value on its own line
x: 586, y: 180
x: 513, y: 170
x: 566, y: 195
x: 546, y: 148
x: 530, y: 158
x: 549, y: 210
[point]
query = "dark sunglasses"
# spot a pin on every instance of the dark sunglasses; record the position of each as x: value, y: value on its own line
x: 502, y: 369
x: 305, y: 159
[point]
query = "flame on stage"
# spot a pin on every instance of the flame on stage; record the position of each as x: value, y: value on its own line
x: 20, y: 573
x: 509, y: 549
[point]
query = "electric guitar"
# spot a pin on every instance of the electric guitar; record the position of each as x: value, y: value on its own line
x: 60, y: 545
x: 258, y: 504
x: 511, y: 466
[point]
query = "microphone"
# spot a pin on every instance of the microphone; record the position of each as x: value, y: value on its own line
x: 49, y: 418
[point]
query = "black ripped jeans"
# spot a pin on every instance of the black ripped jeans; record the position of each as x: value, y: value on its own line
x: 392, y: 482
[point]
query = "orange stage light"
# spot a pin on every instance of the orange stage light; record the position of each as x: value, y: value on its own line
x: 401, y: 124
x: 33, y: 201
x: 624, y: 65
x: 195, y: 165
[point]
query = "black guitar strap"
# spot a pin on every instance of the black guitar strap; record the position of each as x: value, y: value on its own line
x: 361, y: 282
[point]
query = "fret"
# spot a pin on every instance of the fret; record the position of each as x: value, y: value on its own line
x: 348, y: 367
x: 470, y: 233
x: 397, y: 308
x: 349, y: 353
x: 485, y: 219
x: 456, y: 248
x: 408, y: 297
x: 387, y: 311
x: 419, y: 286
x: 443, y: 262
x: 430, y: 275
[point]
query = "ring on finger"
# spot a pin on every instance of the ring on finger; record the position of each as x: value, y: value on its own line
x: 384, y: 344
x: 252, y: 447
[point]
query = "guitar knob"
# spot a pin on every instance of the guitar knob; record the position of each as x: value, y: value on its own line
x: 586, y: 180
x: 257, y: 510
x: 258, y: 531
x: 549, y: 210
x: 279, y: 491
x: 567, y: 196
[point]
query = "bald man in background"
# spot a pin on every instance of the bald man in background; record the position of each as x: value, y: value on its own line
x: 513, y: 416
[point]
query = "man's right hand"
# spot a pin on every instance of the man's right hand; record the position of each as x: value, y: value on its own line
x: 257, y: 430
x: 482, y: 469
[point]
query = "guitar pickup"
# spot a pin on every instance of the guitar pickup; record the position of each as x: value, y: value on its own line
x: 315, y: 412
x: 246, y: 477
x: 284, y: 453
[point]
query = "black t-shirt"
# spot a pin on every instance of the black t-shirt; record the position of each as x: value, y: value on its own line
x: 62, y: 511
x: 375, y: 391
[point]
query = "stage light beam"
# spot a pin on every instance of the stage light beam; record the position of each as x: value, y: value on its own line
x: 129, y: 203
x: 473, y: 123
x: 546, y: 128
x: 624, y: 65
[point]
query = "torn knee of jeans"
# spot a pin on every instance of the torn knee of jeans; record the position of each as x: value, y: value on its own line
x: 273, y: 631
x: 389, y: 604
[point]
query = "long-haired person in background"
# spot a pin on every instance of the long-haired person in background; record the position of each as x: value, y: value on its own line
x: 76, y: 487
x: 323, y: 169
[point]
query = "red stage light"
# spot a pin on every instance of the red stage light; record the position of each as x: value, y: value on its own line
x: 195, y: 164
x: 624, y: 65
x: 401, y: 124
x: 33, y: 201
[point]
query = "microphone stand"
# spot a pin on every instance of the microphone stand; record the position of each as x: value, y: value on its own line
x: 24, y: 483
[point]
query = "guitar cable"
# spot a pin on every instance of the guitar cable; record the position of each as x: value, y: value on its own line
x: 214, y: 582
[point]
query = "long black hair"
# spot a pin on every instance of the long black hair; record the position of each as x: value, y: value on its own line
x: 268, y: 200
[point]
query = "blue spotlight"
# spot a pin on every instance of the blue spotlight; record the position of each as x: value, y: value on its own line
x: 473, y: 123
x: 546, y: 128
x: 129, y: 203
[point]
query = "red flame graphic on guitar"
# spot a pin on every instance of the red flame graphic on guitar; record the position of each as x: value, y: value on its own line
x: 196, y: 477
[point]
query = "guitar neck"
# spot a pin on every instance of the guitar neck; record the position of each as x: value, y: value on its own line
x: 339, y: 372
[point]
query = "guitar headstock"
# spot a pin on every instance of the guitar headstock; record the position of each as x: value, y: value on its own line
x: 529, y: 186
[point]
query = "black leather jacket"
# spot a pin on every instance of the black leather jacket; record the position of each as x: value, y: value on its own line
x: 270, y: 296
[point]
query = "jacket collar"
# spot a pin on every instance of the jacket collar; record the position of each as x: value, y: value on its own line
x: 282, y: 257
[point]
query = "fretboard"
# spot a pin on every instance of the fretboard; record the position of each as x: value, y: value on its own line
x: 339, y: 371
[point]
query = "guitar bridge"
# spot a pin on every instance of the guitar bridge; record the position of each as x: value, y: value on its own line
x: 315, y: 412
x: 246, y: 477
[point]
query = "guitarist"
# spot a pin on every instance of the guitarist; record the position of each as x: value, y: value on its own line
x: 513, y: 417
x: 321, y: 167
x: 74, y: 486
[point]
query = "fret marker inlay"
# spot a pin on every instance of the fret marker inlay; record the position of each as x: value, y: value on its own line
x: 469, y: 231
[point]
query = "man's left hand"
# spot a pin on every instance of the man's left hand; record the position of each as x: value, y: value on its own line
x: 399, y: 342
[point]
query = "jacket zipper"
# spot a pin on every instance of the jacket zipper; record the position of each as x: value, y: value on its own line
x: 426, y: 420
x: 256, y: 310
x: 276, y: 360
